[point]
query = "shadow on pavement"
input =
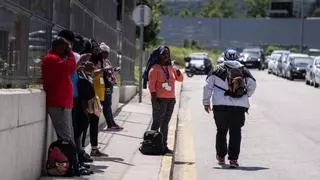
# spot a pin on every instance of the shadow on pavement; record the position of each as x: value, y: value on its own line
x: 113, y: 159
x: 243, y: 168
x: 98, y: 169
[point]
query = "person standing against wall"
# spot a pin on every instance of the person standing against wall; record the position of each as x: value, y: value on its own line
x: 109, y: 81
x: 162, y: 77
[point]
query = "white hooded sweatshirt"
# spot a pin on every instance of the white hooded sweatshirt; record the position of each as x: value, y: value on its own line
x: 218, y: 98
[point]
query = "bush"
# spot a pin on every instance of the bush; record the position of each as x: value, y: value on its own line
x: 294, y: 50
x: 270, y: 49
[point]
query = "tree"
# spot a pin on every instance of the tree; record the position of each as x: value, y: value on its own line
x: 316, y: 13
x: 218, y: 8
x: 153, y: 29
x: 186, y: 13
x: 257, y: 8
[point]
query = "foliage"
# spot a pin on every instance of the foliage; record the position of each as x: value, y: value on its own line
x: 316, y: 13
x: 186, y: 13
x: 178, y: 54
x: 153, y: 29
x: 218, y: 8
x: 257, y: 8
x: 294, y: 50
x: 270, y: 49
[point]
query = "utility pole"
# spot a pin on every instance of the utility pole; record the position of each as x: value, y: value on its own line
x: 302, y: 25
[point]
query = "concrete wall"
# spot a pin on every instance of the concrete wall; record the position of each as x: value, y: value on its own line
x: 22, y: 129
x: 127, y: 93
x: 24, y: 133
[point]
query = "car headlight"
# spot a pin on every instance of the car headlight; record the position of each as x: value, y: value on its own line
x: 259, y: 59
x: 297, y: 69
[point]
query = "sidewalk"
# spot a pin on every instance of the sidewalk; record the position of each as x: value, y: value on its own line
x: 124, y: 160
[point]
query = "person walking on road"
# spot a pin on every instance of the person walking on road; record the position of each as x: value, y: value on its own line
x: 229, y: 85
x: 162, y: 77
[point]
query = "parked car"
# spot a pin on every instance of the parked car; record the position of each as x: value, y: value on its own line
x: 276, y: 59
x: 252, y: 57
x: 309, y: 79
x: 197, y: 63
x: 313, y: 73
x: 278, y: 66
x: 296, y: 66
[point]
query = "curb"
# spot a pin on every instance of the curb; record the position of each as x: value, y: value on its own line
x: 167, y: 165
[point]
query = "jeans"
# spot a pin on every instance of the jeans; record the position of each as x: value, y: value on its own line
x: 161, y: 116
x: 107, y: 110
x: 228, y: 118
x: 62, y: 122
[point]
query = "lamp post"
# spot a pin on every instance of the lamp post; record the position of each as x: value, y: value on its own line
x: 301, y: 25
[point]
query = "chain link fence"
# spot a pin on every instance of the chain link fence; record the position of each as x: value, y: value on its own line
x: 27, y: 28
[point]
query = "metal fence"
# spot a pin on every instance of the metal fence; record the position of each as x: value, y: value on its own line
x: 221, y: 33
x: 27, y: 28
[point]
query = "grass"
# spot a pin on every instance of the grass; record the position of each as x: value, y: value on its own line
x: 178, y: 54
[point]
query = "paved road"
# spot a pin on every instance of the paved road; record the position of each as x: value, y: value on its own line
x: 281, y: 137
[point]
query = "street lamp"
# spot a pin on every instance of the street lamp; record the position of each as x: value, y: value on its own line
x: 302, y: 25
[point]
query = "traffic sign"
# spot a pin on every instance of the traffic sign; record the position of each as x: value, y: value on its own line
x: 141, y: 15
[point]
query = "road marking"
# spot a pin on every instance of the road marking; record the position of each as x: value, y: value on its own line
x: 185, y: 157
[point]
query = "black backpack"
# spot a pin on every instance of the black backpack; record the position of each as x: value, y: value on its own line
x: 152, y: 143
x: 61, y: 159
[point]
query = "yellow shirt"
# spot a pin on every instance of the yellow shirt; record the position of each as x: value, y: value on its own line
x: 99, y: 86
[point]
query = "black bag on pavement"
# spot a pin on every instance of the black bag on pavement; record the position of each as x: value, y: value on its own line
x: 152, y: 143
x: 61, y: 159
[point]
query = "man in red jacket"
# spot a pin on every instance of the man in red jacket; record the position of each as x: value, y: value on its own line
x: 57, y: 67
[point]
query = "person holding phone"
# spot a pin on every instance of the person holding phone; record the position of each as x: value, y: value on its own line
x: 162, y: 77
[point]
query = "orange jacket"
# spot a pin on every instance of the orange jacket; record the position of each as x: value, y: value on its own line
x: 158, y: 76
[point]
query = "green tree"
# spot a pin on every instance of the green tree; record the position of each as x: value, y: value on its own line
x: 186, y: 13
x: 218, y: 8
x: 153, y: 29
x: 316, y: 13
x: 257, y: 8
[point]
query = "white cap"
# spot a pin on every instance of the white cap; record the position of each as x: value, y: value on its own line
x: 104, y: 47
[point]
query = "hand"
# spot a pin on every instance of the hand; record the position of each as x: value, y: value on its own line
x: 207, y: 108
x: 178, y: 72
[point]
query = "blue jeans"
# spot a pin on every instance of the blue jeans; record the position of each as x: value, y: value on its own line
x: 107, y: 110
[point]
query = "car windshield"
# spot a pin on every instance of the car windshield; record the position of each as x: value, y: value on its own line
x: 302, y: 61
x: 253, y: 53
x: 197, y: 58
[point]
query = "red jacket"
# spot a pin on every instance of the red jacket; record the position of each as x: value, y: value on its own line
x: 56, y: 79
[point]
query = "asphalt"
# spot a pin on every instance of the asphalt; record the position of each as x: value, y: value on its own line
x: 280, y: 139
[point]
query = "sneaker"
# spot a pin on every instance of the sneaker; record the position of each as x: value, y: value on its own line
x: 221, y: 160
x: 115, y: 128
x: 234, y: 164
x: 97, y: 153
x: 168, y: 151
x: 85, y: 158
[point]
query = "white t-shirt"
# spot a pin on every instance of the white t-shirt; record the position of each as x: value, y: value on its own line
x: 76, y: 56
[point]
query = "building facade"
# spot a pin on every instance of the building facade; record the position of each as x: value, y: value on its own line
x: 27, y: 28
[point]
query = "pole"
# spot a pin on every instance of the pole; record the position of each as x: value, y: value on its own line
x: 141, y: 54
x: 302, y: 25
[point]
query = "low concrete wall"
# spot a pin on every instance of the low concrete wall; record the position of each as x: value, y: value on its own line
x: 127, y: 93
x: 115, y: 104
x: 22, y: 129
x: 25, y: 135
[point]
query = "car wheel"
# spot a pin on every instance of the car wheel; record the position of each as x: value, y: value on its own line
x: 291, y: 78
x: 189, y: 74
x: 316, y: 85
x: 307, y: 82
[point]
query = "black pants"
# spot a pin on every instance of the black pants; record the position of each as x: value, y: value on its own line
x: 77, y: 124
x: 81, y: 122
x: 107, y: 110
x: 228, y: 118
x: 94, y: 130
x: 161, y: 116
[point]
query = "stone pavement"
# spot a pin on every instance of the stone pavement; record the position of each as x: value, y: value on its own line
x: 124, y: 160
